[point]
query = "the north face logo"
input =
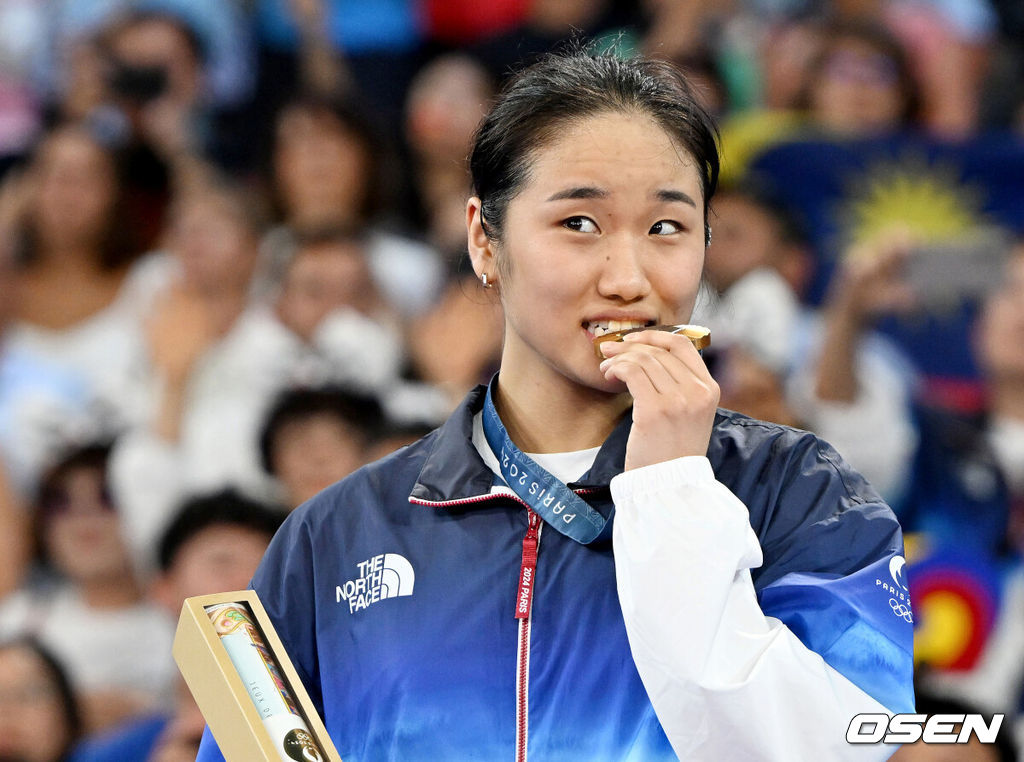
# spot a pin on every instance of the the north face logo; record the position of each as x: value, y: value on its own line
x: 388, y: 575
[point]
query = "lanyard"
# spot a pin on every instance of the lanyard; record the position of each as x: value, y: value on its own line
x: 558, y: 505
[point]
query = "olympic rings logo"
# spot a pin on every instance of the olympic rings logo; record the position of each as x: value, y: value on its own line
x: 900, y: 610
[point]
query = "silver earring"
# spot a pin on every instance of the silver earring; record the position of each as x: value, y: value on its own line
x: 483, y: 279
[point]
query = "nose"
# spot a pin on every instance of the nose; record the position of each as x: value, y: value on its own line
x: 623, y: 275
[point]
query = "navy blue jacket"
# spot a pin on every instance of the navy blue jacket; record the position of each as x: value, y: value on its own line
x: 394, y: 593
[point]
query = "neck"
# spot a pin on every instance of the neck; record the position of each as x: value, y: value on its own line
x: 560, y: 417
x: 1006, y: 398
x: 111, y: 591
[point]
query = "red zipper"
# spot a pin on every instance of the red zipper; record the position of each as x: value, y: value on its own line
x: 528, y: 569
x: 524, y: 603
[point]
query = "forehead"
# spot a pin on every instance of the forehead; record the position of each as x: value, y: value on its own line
x: 615, y: 150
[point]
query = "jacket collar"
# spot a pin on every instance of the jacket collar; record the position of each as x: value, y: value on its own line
x: 453, y: 473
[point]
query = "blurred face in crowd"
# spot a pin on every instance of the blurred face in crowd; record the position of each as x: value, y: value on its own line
x: 82, y: 531
x: 446, y: 102
x: 857, y: 90
x: 218, y: 558
x: 312, y: 453
x: 606, y: 231
x: 161, y: 43
x: 785, y: 54
x: 33, y: 725
x: 321, y: 278
x: 745, y: 236
x: 214, y: 244
x: 321, y: 167
x: 1001, y: 329
x: 75, y: 189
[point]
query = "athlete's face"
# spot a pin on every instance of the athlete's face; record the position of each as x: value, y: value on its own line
x: 609, y: 226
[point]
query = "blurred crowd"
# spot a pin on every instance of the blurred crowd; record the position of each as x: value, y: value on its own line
x: 233, y: 270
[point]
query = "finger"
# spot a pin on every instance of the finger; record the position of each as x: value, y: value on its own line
x: 678, y: 345
x: 637, y: 382
x: 647, y: 359
x: 672, y: 365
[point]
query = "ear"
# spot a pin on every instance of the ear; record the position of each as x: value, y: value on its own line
x: 481, y: 252
x: 162, y: 592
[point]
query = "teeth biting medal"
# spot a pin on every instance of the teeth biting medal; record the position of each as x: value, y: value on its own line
x: 697, y: 334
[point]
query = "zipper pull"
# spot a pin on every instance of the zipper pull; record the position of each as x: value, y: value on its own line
x: 528, y: 569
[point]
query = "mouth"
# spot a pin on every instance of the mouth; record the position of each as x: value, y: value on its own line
x: 598, y: 328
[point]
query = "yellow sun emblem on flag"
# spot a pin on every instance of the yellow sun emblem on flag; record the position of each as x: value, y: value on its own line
x: 930, y: 202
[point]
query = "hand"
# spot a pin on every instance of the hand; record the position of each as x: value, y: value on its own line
x: 870, y: 280
x: 674, y: 395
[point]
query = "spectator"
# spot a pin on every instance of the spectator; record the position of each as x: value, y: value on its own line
x: 330, y: 302
x: 93, y: 614
x: 40, y: 721
x: 37, y: 395
x: 447, y: 100
x: 213, y: 544
x: 329, y: 173
x: 216, y: 356
x: 966, y: 499
x: 378, y: 45
x: 314, y: 437
x: 79, y: 300
x: 860, y: 84
x: 769, y: 348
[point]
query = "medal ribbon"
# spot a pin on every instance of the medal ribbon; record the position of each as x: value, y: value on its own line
x: 558, y: 505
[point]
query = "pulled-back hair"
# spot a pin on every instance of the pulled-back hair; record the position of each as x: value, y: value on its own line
x: 563, y: 88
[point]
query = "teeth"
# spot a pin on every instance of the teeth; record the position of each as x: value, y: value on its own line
x: 611, y: 326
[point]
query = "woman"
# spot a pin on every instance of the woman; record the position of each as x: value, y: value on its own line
x: 79, y: 294
x: 88, y: 606
x: 435, y: 613
x: 39, y: 716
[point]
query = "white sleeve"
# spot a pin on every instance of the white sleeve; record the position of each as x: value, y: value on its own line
x: 726, y: 682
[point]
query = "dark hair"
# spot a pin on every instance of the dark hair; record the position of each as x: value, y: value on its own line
x: 354, y: 120
x: 563, y: 88
x: 362, y: 412
x: 122, y: 239
x: 878, y: 37
x: 227, y: 507
x: 762, y: 193
x: 135, y: 17
x: 58, y: 675
x: 93, y: 455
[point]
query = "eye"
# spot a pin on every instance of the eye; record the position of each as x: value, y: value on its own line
x: 581, y: 224
x: 665, y: 227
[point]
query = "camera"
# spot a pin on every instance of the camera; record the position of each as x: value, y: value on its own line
x: 138, y: 84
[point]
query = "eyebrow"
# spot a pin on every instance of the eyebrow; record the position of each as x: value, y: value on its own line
x: 585, y: 192
x: 581, y: 192
x: 675, y: 196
